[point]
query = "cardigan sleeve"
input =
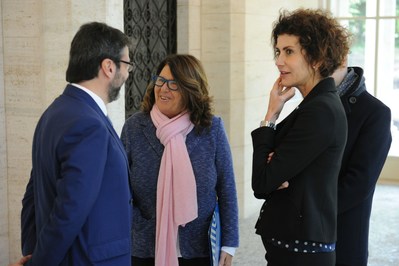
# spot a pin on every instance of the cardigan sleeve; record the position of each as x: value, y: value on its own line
x: 226, y: 189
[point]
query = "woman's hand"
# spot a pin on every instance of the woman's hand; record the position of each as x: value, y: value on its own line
x: 283, y: 185
x: 225, y: 259
x: 269, y: 157
x: 279, y: 95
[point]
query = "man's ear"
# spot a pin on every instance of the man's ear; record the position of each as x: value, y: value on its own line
x: 108, y: 67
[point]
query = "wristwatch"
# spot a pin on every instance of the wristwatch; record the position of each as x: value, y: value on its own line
x: 265, y: 123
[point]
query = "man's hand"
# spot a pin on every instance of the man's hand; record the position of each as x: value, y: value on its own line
x: 21, y: 261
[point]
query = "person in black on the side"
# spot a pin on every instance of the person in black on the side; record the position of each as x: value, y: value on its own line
x: 369, y: 140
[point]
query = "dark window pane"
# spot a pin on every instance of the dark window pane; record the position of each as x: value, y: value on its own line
x: 151, y: 25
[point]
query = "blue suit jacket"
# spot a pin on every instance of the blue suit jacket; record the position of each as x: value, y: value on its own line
x: 76, y: 208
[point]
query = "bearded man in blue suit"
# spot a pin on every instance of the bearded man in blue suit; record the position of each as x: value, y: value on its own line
x: 76, y: 208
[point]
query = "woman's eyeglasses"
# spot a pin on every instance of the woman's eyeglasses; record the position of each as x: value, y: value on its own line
x: 159, y: 81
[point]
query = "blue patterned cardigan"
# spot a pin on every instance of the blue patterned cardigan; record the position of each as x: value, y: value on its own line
x: 211, y: 159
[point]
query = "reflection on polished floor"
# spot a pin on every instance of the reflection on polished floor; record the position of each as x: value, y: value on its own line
x: 384, y: 233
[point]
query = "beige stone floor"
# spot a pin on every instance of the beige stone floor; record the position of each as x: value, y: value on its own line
x: 384, y: 233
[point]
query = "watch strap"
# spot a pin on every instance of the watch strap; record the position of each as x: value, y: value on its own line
x: 266, y: 123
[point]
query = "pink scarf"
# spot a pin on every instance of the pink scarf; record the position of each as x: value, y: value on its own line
x: 176, y: 189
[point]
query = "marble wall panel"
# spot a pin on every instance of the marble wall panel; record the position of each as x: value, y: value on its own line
x: 189, y: 27
x: 216, y: 37
x: 23, y: 96
x: 4, y: 247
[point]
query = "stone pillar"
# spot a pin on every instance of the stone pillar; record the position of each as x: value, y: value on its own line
x: 4, y: 255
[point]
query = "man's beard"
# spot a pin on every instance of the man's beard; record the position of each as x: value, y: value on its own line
x: 113, y: 93
x: 115, y: 87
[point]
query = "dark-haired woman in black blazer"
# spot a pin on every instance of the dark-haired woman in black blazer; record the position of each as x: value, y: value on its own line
x: 296, y: 163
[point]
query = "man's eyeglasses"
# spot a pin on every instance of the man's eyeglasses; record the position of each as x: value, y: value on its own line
x: 159, y: 81
x: 131, y: 65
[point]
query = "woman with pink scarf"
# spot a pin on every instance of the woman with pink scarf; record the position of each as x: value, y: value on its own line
x: 181, y: 165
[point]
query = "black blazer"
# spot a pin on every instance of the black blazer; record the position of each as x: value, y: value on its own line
x: 369, y: 140
x: 308, y: 146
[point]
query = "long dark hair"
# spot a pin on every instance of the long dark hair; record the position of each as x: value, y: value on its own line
x: 192, y: 82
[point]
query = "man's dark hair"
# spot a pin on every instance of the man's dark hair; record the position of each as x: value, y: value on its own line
x: 93, y: 43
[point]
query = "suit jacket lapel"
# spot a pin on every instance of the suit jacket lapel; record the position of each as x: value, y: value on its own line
x: 72, y: 91
x: 114, y: 134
